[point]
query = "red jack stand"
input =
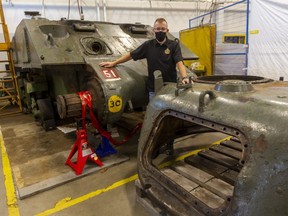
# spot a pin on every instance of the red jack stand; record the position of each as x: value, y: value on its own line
x: 81, y: 145
x: 84, y: 152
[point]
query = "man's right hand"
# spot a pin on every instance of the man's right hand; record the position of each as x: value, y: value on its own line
x: 107, y: 64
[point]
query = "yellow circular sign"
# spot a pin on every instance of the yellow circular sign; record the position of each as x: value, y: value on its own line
x: 114, y: 103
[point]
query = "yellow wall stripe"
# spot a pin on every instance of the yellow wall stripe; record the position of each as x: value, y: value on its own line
x: 68, y: 202
x: 8, y: 181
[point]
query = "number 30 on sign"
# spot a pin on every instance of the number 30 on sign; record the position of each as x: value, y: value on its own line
x: 114, y: 103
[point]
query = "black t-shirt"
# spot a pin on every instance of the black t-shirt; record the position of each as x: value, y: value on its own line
x: 159, y: 57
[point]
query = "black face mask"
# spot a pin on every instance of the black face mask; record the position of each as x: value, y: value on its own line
x: 160, y: 36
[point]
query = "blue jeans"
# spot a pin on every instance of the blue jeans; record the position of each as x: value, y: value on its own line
x: 151, y: 95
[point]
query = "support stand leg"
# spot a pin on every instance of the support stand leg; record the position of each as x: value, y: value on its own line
x: 105, y: 148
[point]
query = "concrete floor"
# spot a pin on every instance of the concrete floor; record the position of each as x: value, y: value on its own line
x: 38, y: 156
x: 110, y: 191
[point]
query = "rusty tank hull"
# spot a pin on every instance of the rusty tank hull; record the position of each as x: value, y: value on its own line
x: 245, y: 173
x: 57, y: 59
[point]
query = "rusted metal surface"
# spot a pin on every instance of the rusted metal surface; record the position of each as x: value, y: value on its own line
x: 244, y: 176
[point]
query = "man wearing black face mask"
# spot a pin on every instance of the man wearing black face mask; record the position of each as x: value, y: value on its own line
x: 161, y: 54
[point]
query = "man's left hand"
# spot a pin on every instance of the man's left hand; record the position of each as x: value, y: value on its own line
x: 185, y: 80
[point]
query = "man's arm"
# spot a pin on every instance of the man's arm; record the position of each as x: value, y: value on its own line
x: 182, y: 71
x: 122, y: 59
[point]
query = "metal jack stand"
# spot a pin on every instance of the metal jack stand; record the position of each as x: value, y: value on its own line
x: 84, y: 151
x: 105, y: 148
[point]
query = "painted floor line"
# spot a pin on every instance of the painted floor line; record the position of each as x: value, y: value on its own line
x: 68, y: 201
x: 8, y: 181
x: 182, y: 157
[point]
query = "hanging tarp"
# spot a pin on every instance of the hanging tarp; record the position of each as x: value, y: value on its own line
x: 201, y: 41
x: 268, y: 39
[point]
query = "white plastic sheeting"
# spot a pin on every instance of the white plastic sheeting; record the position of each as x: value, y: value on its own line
x: 119, y: 11
x: 268, y: 39
x: 230, y: 59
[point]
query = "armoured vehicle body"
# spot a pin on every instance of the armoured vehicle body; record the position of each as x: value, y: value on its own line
x: 243, y: 173
x: 57, y: 59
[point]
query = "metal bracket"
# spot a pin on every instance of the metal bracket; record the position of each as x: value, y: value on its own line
x: 180, y: 86
x: 212, y: 96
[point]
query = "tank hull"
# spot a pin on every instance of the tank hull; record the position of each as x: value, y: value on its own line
x: 59, y: 58
x: 243, y: 174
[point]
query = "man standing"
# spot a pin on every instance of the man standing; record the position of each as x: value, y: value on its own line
x: 161, y: 54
